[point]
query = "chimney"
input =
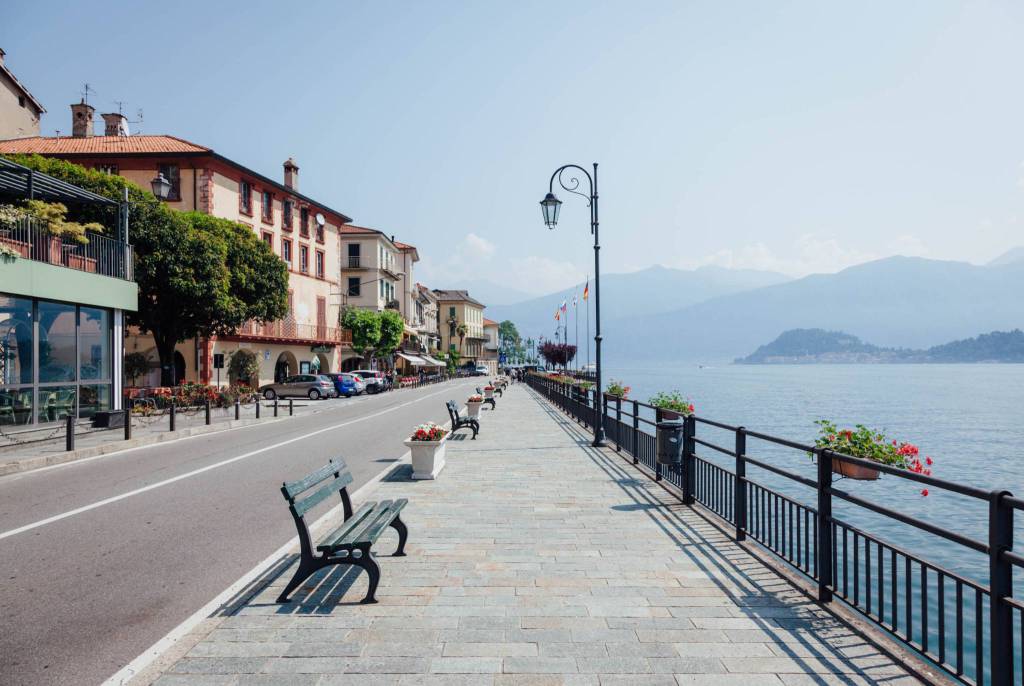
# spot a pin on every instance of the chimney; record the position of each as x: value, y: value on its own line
x: 115, y: 124
x: 81, y: 120
x: 291, y: 174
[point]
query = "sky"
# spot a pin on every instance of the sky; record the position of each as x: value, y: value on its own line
x: 798, y: 137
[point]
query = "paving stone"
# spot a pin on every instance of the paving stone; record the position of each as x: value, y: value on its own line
x: 501, y: 649
x: 465, y: 665
x: 539, y: 665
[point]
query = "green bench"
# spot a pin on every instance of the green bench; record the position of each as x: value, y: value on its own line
x: 349, y: 543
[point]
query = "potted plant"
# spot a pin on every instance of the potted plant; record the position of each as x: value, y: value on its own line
x: 473, y: 405
x: 616, y: 389
x: 489, y: 392
x: 872, y: 445
x: 672, y: 405
x: 427, y: 445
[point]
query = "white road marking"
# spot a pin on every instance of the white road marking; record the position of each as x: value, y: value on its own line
x: 201, y: 470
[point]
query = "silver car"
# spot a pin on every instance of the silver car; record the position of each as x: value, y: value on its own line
x: 312, y: 386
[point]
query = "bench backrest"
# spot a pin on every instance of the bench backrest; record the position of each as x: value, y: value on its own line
x: 334, y: 477
x: 453, y: 412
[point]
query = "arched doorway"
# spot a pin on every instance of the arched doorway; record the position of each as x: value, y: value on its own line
x: 285, y: 366
x: 179, y: 368
x: 320, y: 364
x: 352, y: 363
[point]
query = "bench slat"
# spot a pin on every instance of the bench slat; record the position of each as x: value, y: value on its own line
x: 294, y: 488
x: 331, y: 540
x: 306, y: 504
x: 373, y: 531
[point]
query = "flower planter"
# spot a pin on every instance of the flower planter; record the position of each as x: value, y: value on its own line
x: 427, y: 457
x: 473, y: 409
x: 488, y: 394
x: 85, y: 264
x: 854, y: 471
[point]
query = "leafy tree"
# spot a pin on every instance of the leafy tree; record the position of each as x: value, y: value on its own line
x: 558, y: 354
x: 197, y: 275
x: 452, y: 359
x: 391, y: 328
x: 135, y: 365
x: 461, y: 330
x: 244, y: 367
x: 365, y: 328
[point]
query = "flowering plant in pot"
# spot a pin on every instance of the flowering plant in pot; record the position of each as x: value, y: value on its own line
x: 617, y: 389
x: 473, y: 404
x: 869, y: 444
x: 672, y: 405
x: 427, y: 445
x: 488, y: 391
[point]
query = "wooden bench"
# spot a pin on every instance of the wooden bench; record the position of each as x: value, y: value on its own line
x: 492, y: 401
x: 462, y: 422
x: 349, y: 543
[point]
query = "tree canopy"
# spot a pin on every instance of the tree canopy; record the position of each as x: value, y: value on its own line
x: 391, y: 328
x: 365, y: 328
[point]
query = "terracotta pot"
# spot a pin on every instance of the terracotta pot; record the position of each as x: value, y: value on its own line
x: 85, y: 264
x: 854, y: 471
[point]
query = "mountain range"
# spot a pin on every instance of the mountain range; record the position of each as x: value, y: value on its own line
x: 715, y: 315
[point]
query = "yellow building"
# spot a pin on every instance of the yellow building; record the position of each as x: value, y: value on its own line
x: 457, y: 308
x: 19, y: 110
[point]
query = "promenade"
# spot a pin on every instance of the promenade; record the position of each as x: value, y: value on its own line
x: 533, y: 559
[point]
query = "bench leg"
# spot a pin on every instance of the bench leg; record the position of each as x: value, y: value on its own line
x: 373, y: 570
x: 305, y: 570
x: 403, y: 533
x: 476, y: 429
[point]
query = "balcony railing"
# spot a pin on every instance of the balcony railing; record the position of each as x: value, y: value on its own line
x: 354, y: 262
x: 291, y: 331
x: 29, y: 239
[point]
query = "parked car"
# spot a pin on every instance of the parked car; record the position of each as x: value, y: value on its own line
x: 346, y: 384
x: 374, y: 380
x: 482, y: 370
x: 312, y: 386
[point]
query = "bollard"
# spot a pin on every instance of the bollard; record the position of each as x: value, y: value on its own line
x: 275, y: 407
x: 128, y: 425
x: 238, y: 409
x: 173, y: 411
x: 257, y: 409
x: 207, y: 412
x: 70, y: 438
x: 291, y: 407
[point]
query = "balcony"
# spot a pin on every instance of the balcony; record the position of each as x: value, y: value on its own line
x: 355, y: 262
x: 28, y: 238
x: 292, y: 332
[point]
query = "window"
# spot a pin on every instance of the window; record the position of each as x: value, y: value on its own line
x: 319, y: 234
x: 286, y: 214
x: 353, y: 255
x: 451, y: 312
x: 304, y: 259
x: 21, y: 100
x: 172, y: 174
x: 304, y: 221
x: 107, y: 168
x: 245, y: 198
x: 286, y: 251
x: 353, y: 286
x: 319, y: 264
x: 268, y: 238
x: 268, y: 206
x: 380, y: 288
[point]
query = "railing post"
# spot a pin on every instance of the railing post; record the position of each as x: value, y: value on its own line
x: 238, y: 409
x: 603, y: 413
x: 824, y: 543
x: 207, y: 411
x: 657, y: 465
x: 69, y: 438
x: 1000, y: 571
x: 689, y: 460
x: 172, y: 415
x: 740, y: 496
x: 636, y: 432
x: 127, y: 424
x: 618, y: 424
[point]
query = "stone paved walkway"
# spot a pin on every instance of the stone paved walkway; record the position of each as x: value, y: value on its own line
x: 536, y: 560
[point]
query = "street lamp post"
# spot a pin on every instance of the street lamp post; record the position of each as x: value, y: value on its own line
x: 550, y: 206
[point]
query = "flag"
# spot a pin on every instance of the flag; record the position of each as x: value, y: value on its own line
x: 564, y: 306
x: 586, y: 290
x: 575, y: 300
x: 558, y: 314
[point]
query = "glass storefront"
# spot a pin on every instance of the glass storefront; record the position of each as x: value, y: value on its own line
x: 55, y: 361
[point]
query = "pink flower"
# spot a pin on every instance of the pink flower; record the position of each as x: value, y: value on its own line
x: 924, y: 492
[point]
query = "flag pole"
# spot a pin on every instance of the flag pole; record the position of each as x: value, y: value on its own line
x: 587, y: 301
x: 576, y: 320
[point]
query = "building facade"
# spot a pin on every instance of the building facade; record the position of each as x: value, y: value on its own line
x: 457, y: 308
x: 19, y: 110
x: 304, y: 232
x: 491, y: 352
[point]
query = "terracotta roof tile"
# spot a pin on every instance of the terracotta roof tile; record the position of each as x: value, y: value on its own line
x: 404, y: 246
x: 353, y: 229
x: 99, y: 145
x: 490, y: 322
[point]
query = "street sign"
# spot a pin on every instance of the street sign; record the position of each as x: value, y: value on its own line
x: 218, y: 360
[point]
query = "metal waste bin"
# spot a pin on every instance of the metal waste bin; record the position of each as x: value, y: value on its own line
x: 670, y: 441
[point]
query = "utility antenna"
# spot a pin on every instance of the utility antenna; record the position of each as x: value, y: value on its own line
x: 120, y: 106
x: 138, y: 121
x: 85, y: 93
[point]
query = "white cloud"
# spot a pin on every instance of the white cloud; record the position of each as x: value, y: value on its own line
x: 476, y: 247
x: 543, y: 275
x: 809, y: 254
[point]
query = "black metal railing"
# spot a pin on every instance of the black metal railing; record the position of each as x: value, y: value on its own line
x: 972, y: 630
x: 28, y: 238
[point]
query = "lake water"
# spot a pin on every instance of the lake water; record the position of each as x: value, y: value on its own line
x: 968, y: 418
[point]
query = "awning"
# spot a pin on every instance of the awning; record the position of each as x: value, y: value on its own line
x: 414, y: 360
x: 433, y: 362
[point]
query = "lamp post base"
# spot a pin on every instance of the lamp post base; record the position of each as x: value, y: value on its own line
x: 598, y: 442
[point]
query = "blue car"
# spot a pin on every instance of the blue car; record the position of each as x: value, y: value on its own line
x: 346, y: 384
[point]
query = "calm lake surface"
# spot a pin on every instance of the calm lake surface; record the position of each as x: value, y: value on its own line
x: 968, y: 418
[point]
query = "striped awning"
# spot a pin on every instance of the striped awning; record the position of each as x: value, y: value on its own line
x: 433, y: 362
x: 414, y: 360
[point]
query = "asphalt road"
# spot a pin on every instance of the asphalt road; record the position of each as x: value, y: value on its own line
x: 103, y: 573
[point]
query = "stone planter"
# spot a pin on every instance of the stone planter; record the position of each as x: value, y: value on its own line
x: 427, y: 457
x: 473, y: 409
x: 854, y: 471
x: 488, y: 394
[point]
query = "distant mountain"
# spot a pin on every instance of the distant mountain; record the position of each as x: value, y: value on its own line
x: 646, y: 292
x: 1009, y: 257
x: 816, y: 346
x: 490, y: 294
x: 897, y: 302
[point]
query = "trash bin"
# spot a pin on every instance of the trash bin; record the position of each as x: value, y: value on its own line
x: 670, y: 441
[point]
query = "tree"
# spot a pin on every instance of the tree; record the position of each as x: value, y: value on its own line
x: 558, y: 354
x: 244, y: 367
x: 462, y: 330
x: 391, y: 328
x: 197, y: 275
x: 135, y: 365
x: 511, y: 344
x: 365, y: 328
x: 452, y: 359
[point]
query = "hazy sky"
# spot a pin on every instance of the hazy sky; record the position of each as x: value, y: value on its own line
x: 795, y: 136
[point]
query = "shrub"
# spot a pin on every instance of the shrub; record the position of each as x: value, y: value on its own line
x: 616, y: 389
x: 673, y: 402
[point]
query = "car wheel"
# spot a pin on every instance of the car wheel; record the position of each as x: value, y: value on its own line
x: 269, y: 394
x: 314, y: 394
